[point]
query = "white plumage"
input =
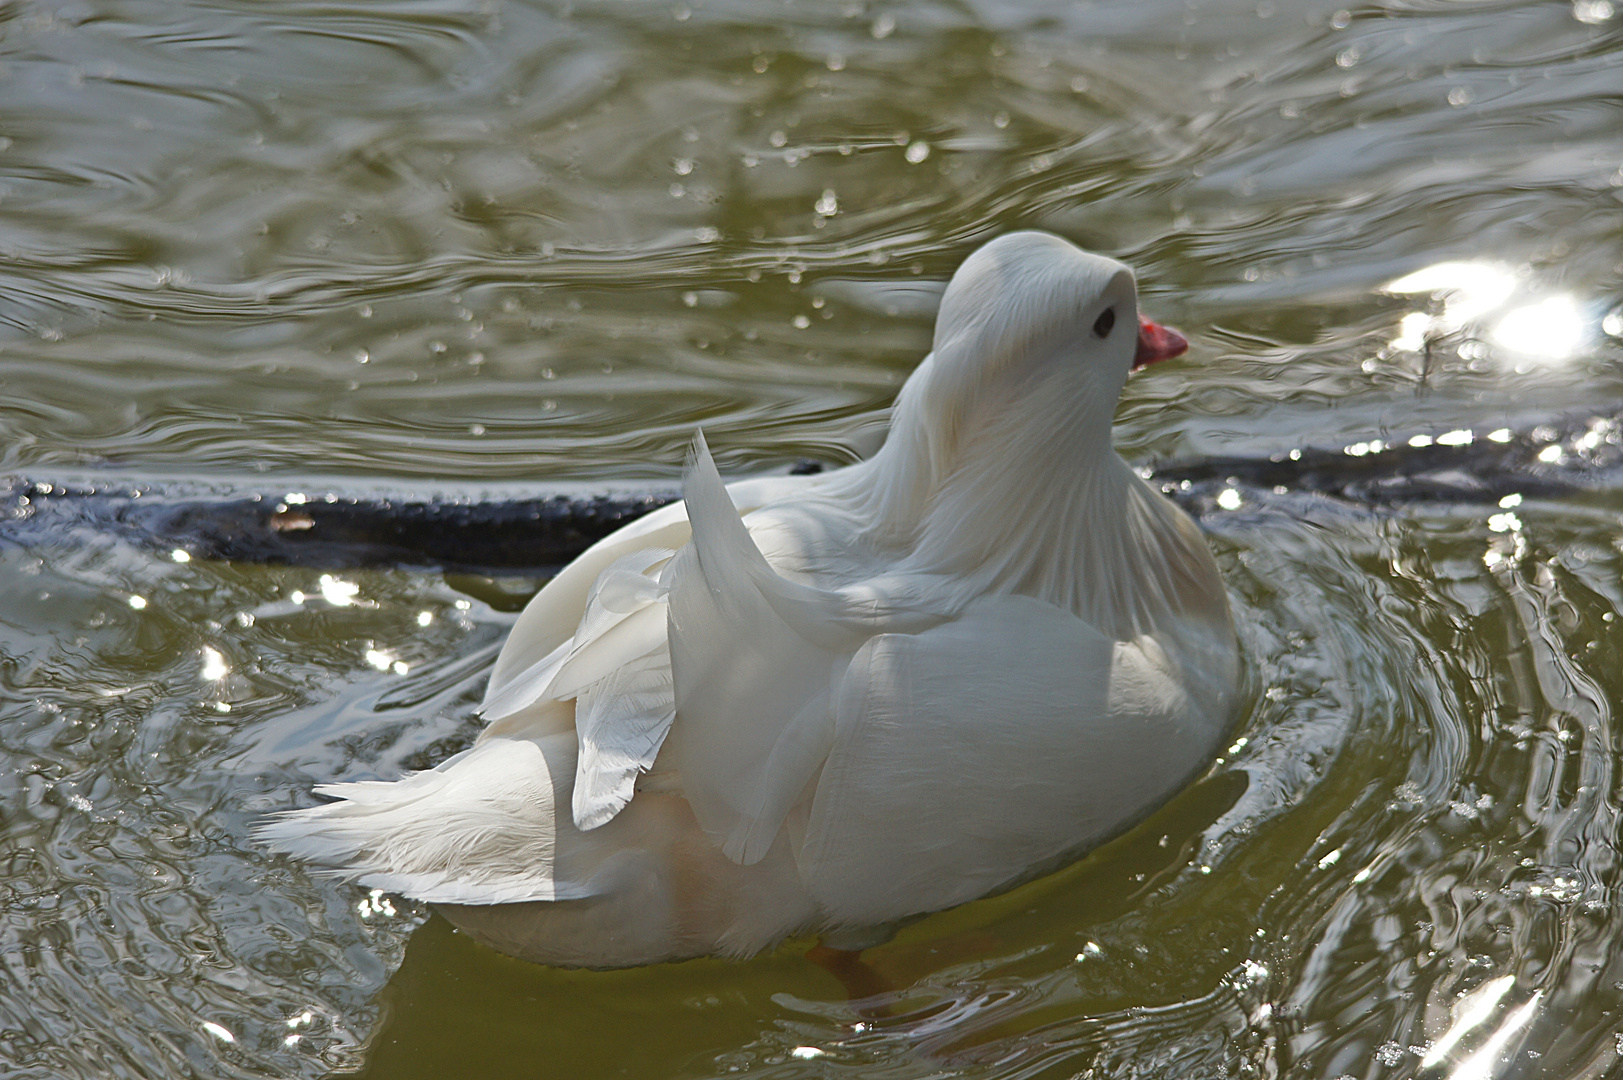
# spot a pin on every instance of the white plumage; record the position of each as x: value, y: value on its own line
x: 829, y: 703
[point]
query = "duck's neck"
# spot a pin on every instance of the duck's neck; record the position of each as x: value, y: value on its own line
x: 1035, y: 501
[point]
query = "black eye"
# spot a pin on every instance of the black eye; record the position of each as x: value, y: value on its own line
x: 1103, y: 324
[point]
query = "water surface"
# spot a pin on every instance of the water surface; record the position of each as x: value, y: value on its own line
x: 450, y: 246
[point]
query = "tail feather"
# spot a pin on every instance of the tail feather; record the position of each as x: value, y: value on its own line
x: 480, y: 829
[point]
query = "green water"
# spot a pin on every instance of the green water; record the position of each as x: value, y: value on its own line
x: 296, y: 246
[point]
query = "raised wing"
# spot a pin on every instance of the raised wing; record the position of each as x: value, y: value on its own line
x: 617, y: 670
x: 711, y: 651
x: 554, y: 614
x: 615, y: 666
x: 754, y: 658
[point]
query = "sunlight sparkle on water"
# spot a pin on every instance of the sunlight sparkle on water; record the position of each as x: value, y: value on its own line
x: 214, y: 666
x: 1612, y: 323
x: 1592, y: 12
x: 1412, y: 330
x: 385, y: 661
x: 337, y: 592
x: 1469, y: 1012
x: 376, y: 904
x: 1481, y: 1065
x: 1551, y: 329
x: 1468, y: 290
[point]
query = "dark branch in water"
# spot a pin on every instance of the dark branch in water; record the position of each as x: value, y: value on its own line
x: 540, y: 534
x: 1550, y: 460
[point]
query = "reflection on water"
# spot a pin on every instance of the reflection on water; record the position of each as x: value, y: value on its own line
x: 1551, y: 329
x: 481, y: 242
x: 1471, y: 295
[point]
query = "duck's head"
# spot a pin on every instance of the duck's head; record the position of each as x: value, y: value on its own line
x: 1034, y: 341
x: 1032, y: 309
x: 1033, y: 344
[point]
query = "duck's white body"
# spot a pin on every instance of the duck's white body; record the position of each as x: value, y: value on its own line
x: 829, y: 703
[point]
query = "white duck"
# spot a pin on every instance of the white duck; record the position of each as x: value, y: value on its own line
x: 828, y: 703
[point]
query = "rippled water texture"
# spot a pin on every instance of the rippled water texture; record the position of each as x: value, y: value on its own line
x: 295, y: 244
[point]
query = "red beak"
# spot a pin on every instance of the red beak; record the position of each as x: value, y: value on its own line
x: 1156, y: 342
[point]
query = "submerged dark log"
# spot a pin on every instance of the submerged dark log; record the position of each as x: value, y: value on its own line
x: 543, y: 532
x: 1589, y: 457
x: 329, y: 530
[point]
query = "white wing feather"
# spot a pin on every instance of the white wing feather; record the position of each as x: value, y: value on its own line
x: 617, y: 668
x: 621, y: 721
x: 752, y: 686
x: 620, y: 592
x: 755, y: 658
